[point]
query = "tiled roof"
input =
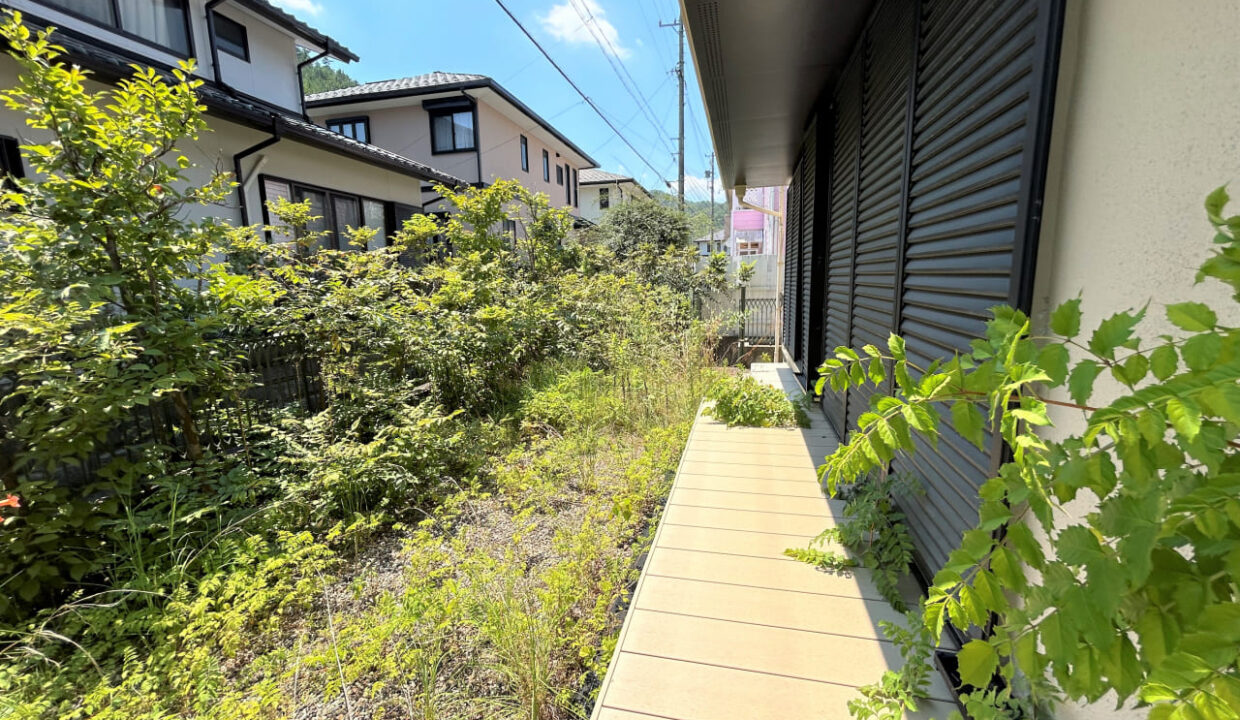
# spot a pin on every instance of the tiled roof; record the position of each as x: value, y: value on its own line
x: 594, y: 175
x: 115, y: 64
x: 416, y: 82
x: 280, y: 17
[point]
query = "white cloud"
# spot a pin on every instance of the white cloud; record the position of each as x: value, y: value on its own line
x: 306, y: 7
x: 565, y: 23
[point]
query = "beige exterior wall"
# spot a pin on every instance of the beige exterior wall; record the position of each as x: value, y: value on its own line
x: 619, y: 193
x: 1147, y: 123
x: 406, y: 131
x: 288, y: 159
x: 271, y: 74
x: 501, y: 155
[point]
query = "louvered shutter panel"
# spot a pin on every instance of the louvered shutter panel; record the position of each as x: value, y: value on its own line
x: 792, y: 270
x: 806, y: 185
x: 888, y: 62
x: 974, y: 130
x: 843, y: 226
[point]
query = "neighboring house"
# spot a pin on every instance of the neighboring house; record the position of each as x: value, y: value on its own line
x: 753, y: 231
x: 716, y: 242
x: 246, y: 52
x: 468, y: 126
x: 946, y: 157
x: 601, y: 190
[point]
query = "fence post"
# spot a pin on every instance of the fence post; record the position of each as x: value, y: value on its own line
x: 744, y: 318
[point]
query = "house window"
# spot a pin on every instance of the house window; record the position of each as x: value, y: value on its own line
x: 604, y: 198
x: 356, y: 128
x: 230, y: 37
x: 11, y: 159
x: 568, y: 189
x: 525, y: 154
x: 374, y: 215
x: 162, y: 22
x: 452, y: 131
x: 576, y: 199
x: 318, y: 216
x: 546, y: 167
x: 510, y: 228
x: 346, y: 213
x: 559, y: 175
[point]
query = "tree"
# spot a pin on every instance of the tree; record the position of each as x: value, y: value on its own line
x: 626, y: 227
x: 102, y: 303
x: 321, y: 76
x: 1140, y: 597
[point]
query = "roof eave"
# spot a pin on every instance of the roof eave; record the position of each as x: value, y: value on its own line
x: 290, y: 22
x: 484, y: 83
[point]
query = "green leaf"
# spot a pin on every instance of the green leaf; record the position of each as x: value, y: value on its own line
x: 1077, y: 545
x: 1201, y: 352
x: 1114, y: 332
x: 977, y: 663
x: 1192, y: 316
x: 1164, y: 361
x: 1185, y: 417
x: 895, y: 344
x: 968, y: 421
x: 1215, y: 202
x: 1066, y: 319
x: 1081, y: 381
x: 1053, y: 359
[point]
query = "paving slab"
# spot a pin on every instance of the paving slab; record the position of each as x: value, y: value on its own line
x: 723, y: 625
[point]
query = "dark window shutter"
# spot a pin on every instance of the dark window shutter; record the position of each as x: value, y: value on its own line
x: 806, y: 174
x: 937, y: 157
x: 792, y: 269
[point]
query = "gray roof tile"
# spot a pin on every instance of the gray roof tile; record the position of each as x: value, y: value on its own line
x: 429, y: 80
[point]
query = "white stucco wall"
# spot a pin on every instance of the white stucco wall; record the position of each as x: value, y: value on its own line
x: 619, y: 193
x: 501, y: 155
x: 1147, y: 123
x: 271, y: 74
x: 288, y: 159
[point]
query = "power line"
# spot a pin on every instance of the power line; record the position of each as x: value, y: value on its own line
x: 618, y: 67
x: 573, y: 84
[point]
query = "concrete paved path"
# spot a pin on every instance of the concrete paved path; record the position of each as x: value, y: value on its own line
x: 723, y: 626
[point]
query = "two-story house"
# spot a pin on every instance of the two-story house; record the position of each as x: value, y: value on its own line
x: 468, y: 126
x: 601, y: 190
x: 246, y: 53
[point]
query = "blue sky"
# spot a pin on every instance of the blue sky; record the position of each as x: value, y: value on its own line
x: 396, y: 38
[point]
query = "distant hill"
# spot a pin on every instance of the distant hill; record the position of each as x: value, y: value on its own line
x: 697, y: 210
x: 321, y: 76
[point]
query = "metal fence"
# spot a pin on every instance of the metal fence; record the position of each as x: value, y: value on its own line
x: 758, y: 317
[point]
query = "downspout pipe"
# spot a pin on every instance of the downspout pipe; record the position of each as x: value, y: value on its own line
x: 301, y: 79
x: 237, y: 174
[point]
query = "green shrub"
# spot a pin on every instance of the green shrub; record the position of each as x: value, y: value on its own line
x: 742, y: 400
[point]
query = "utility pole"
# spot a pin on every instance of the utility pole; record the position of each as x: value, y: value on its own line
x: 710, y: 173
x: 680, y: 73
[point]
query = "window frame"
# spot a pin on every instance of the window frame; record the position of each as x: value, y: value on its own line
x: 525, y: 154
x: 363, y: 120
x: 546, y: 166
x: 329, y: 214
x: 559, y: 174
x: 437, y: 112
x: 119, y: 29
x: 245, y: 36
x: 604, y: 198
x: 576, y: 193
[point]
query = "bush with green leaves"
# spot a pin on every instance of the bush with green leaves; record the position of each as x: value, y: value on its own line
x: 103, y: 312
x: 1139, y: 597
x: 873, y: 530
x: 744, y: 400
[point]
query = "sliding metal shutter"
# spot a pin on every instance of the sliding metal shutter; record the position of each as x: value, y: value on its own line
x: 977, y: 166
x: 843, y: 226
x: 792, y: 271
x: 941, y: 122
x: 806, y: 185
x: 888, y: 62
